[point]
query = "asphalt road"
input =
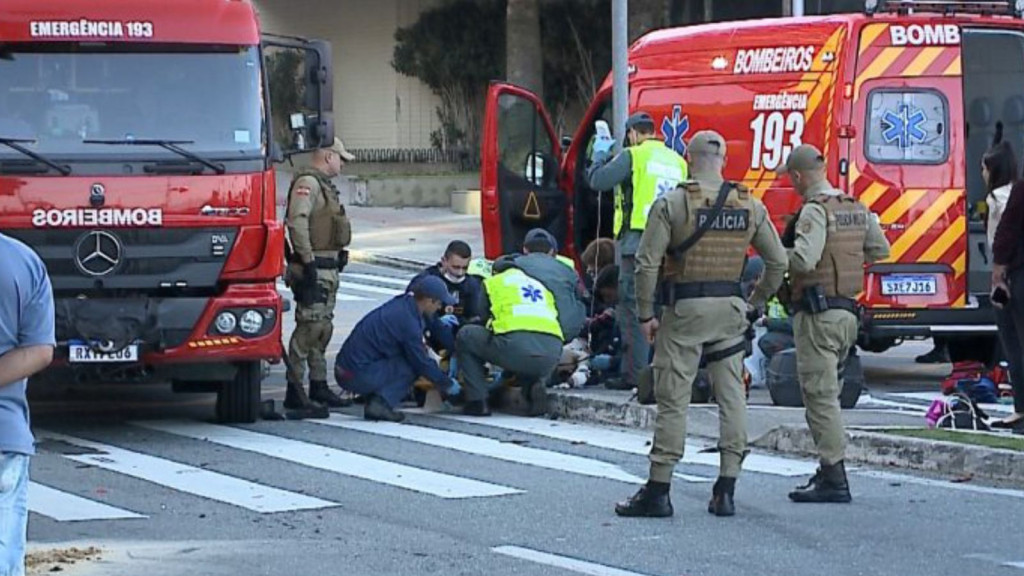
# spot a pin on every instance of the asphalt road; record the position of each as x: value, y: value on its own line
x: 145, y: 476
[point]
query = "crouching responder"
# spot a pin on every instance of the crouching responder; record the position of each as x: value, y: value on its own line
x: 523, y: 333
x: 541, y: 262
x: 833, y: 236
x: 697, y: 236
x: 318, y: 232
x: 386, y: 353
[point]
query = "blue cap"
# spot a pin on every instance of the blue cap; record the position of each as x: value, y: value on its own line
x: 433, y: 287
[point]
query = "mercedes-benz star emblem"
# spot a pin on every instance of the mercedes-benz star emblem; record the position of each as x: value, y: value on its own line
x: 98, y: 253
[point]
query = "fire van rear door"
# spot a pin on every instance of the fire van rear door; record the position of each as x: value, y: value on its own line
x: 907, y: 163
x: 519, y: 185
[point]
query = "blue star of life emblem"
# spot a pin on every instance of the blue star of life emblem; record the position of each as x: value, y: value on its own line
x: 532, y: 293
x: 674, y: 128
x: 904, y: 127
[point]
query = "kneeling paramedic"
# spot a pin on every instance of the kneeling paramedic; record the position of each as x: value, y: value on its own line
x: 829, y: 242
x: 386, y: 353
x: 698, y: 236
x: 523, y: 335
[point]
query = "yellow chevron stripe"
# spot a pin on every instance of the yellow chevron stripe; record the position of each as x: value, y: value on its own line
x: 943, y: 243
x: 907, y: 200
x: 953, y: 69
x: 923, y: 61
x: 959, y: 265
x: 854, y: 175
x: 870, y: 34
x: 885, y: 59
x: 873, y: 193
x: 923, y: 223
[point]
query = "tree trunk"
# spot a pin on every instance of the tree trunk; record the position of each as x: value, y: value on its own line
x: 524, y: 57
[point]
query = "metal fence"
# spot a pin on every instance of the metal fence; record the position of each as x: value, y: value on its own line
x: 463, y: 159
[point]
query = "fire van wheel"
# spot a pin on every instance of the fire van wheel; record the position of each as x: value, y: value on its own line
x: 239, y: 400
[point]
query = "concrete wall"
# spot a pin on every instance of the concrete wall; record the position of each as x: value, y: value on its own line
x: 412, y: 190
x: 374, y: 106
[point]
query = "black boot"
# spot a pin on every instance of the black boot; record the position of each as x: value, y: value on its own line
x: 320, y: 392
x: 476, y: 408
x: 377, y: 409
x: 538, y: 399
x: 652, y: 501
x: 828, y: 485
x: 721, y: 503
x: 295, y: 396
x: 298, y: 406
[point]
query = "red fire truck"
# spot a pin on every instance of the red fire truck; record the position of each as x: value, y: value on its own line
x: 137, y: 142
x: 903, y: 99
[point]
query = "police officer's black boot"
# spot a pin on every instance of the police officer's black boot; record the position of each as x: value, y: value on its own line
x: 652, y: 501
x: 828, y: 485
x: 721, y: 503
x: 320, y: 392
x: 295, y: 396
x: 298, y: 406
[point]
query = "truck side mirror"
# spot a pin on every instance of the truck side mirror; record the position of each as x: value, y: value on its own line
x: 299, y: 76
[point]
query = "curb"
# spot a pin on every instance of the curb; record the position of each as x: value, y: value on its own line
x: 947, y: 458
x: 387, y: 261
x: 864, y: 447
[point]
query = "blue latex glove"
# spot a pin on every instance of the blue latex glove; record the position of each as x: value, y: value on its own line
x: 449, y: 320
x: 602, y: 148
x: 453, y: 368
x: 455, y: 388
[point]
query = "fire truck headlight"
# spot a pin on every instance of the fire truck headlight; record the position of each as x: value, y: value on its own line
x: 225, y: 322
x: 252, y: 322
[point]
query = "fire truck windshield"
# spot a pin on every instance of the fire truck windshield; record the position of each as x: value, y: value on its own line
x: 59, y: 95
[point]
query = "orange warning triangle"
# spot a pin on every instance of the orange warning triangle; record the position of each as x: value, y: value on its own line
x: 532, y: 210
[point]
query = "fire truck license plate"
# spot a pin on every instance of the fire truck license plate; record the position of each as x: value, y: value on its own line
x: 83, y: 353
x: 900, y: 285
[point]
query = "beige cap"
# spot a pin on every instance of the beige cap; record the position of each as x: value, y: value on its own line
x: 339, y: 148
x: 707, y: 142
x: 803, y: 157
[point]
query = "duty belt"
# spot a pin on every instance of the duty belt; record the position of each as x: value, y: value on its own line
x: 834, y: 303
x: 672, y: 293
x: 326, y: 263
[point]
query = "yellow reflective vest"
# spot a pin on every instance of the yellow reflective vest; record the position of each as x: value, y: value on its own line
x: 521, y: 304
x: 657, y: 169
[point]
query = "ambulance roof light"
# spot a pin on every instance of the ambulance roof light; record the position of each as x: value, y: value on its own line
x: 1005, y: 7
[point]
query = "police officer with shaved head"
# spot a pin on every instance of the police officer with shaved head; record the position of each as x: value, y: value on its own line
x: 640, y: 174
x: 829, y: 242
x: 691, y: 260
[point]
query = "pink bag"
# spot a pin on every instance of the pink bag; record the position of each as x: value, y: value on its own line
x: 936, y: 411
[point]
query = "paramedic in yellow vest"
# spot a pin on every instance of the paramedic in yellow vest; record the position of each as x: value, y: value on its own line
x: 523, y: 335
x: 640, y: 174
x: 703, y: 312
x: 835, y: 235
x: 318, y: 232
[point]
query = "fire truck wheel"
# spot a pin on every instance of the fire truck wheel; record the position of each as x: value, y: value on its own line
x: 239, y: 400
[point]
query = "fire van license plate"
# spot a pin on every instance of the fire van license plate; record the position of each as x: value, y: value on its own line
x: 83, y: 353
x: 902, y: 285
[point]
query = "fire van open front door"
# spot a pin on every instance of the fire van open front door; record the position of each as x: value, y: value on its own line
x: 519, y: 184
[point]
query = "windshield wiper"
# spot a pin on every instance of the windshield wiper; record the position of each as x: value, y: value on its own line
x: 172, y: 145
x: 16, y: 144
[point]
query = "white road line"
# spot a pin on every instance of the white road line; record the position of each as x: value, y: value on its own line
x: 401, y: 283
x: 485, y: 447
x: 333, y: 460
x: 370, y: 289
x: 340, y: 297
x: 962, y: 486
x: 189, y: 479
x: 563, y: 562
x: 634, y: 443
x: 1014, y: 565
x: 65, y: 507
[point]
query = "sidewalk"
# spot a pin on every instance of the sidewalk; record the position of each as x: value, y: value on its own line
x: 899, y: 390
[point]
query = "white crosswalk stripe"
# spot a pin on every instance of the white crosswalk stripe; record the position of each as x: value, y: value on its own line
x: 635, y: 443
x: 65, y: 507
x: 188, y: 479
x: 485, y: 447
x: 359, y: 287
x: 333, y: 460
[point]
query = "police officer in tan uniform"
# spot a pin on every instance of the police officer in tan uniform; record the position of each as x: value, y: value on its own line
x: 703, y: 312
x: 829, y: 242
x: 319, y: 231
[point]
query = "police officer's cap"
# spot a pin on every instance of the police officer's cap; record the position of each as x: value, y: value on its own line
x: 707, y: 142
x: 803, y: 157
x: 640, y: 119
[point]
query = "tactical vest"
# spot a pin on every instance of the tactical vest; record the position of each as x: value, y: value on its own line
x: 721, y: 253
x: 657, y: 170
x: 329, y: 228
x: 521, y: 304
x: 841, y: 268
